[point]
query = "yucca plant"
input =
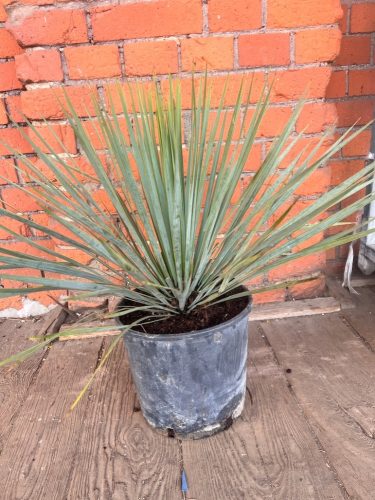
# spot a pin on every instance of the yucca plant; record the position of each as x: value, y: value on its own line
x: 168, y: 237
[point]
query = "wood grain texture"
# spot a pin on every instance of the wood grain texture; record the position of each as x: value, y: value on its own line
x: 340, y: 293
x: 119, y: 455
x: 39, y: 451
x: 331, y: 371
x: 362, y: 318
x: 15, y: 380
x: 365, y: 417
x: 305, y: 307
x: 90, y: 324
x: 360, y: 280
x: 294, y: 464
x: 52, y: 321
x: 269, y: 452
x: 227, y: 465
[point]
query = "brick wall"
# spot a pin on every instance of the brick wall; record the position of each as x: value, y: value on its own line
x: 351, y: 93
x: 297, y: 44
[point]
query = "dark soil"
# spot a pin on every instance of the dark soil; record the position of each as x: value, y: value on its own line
x: 198, y: 319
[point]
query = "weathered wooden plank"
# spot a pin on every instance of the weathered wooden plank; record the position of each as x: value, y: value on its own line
x: 304, y: 307
x: 51, y: 322
x: 365, y: 417
x: 269, y: 452
x: 362, y: 318
x: 39, y: 451
x: 15, y: 380
x: 119, y: 456
x: 331, y: 371
x: 227, y: 465
x: 361, y: 280
x: 340, y: 293
x: 90, y: 324
x: 295, y: 466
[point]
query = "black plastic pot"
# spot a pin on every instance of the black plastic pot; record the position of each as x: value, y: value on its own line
x: 193, y: 384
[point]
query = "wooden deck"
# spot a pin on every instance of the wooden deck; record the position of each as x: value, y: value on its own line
x: 307, y: 431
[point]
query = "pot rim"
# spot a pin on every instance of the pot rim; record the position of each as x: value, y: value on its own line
x: 193, y: 333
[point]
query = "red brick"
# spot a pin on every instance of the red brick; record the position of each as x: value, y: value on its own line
x: 343, y: 23
x: 213, y: 53
x: 254, y: 159
x: 299, y: 267
x: 50, y: 27
x: 8, y: 283
x: 13, y: 138
x: 216, y: 85
x: 311, y: 82
x: 354, y: 50
x: 317, y: 183
x: 266, y: 49
x: 360, y: 146
x: 316, y: 117
x: 273, y: 122
x: 240, y: 15
x: 101, y: 61
x: 14, y: 107
x: 112, y: 94
x: 150, y: 58
x: 37, y: 2
x: 309, y: 242
x: 44, y: 103
x: 43, y: 219
x: 39, y: 66
x: 362, y: 18
x: 317, y: 45
x: 102, y: 198
x: 54, y: 135
x: 294, y: 13
x: 8, y: 44
x: 229, y: 115
x: 295, y: 210
x: 8, y: 78
x: 28, y: 174
x: 11, y: 302
x: 18, y: 200
x: 343, y: 169
x: 147, y: 19
x: 308, y: 289
x: 305, y: 144
x: 7, y: 171
x: 76, y: 254
x: 3, y: 113
x: 13, y: 225
x: 96, y: 137
x: 360, y: 111
x: 45, y: 297
x: 362, y: 82
x: 21, y: 246
x: 3, y: 15
x: 277, y: 295
x: 337, y: 84
x: 84, y: 167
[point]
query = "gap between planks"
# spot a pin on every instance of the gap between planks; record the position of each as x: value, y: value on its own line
x: 262, y: 312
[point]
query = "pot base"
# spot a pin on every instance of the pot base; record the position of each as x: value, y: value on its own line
x: 204, y: 432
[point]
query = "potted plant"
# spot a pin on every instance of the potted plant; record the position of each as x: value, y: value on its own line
x: 174, y: 240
